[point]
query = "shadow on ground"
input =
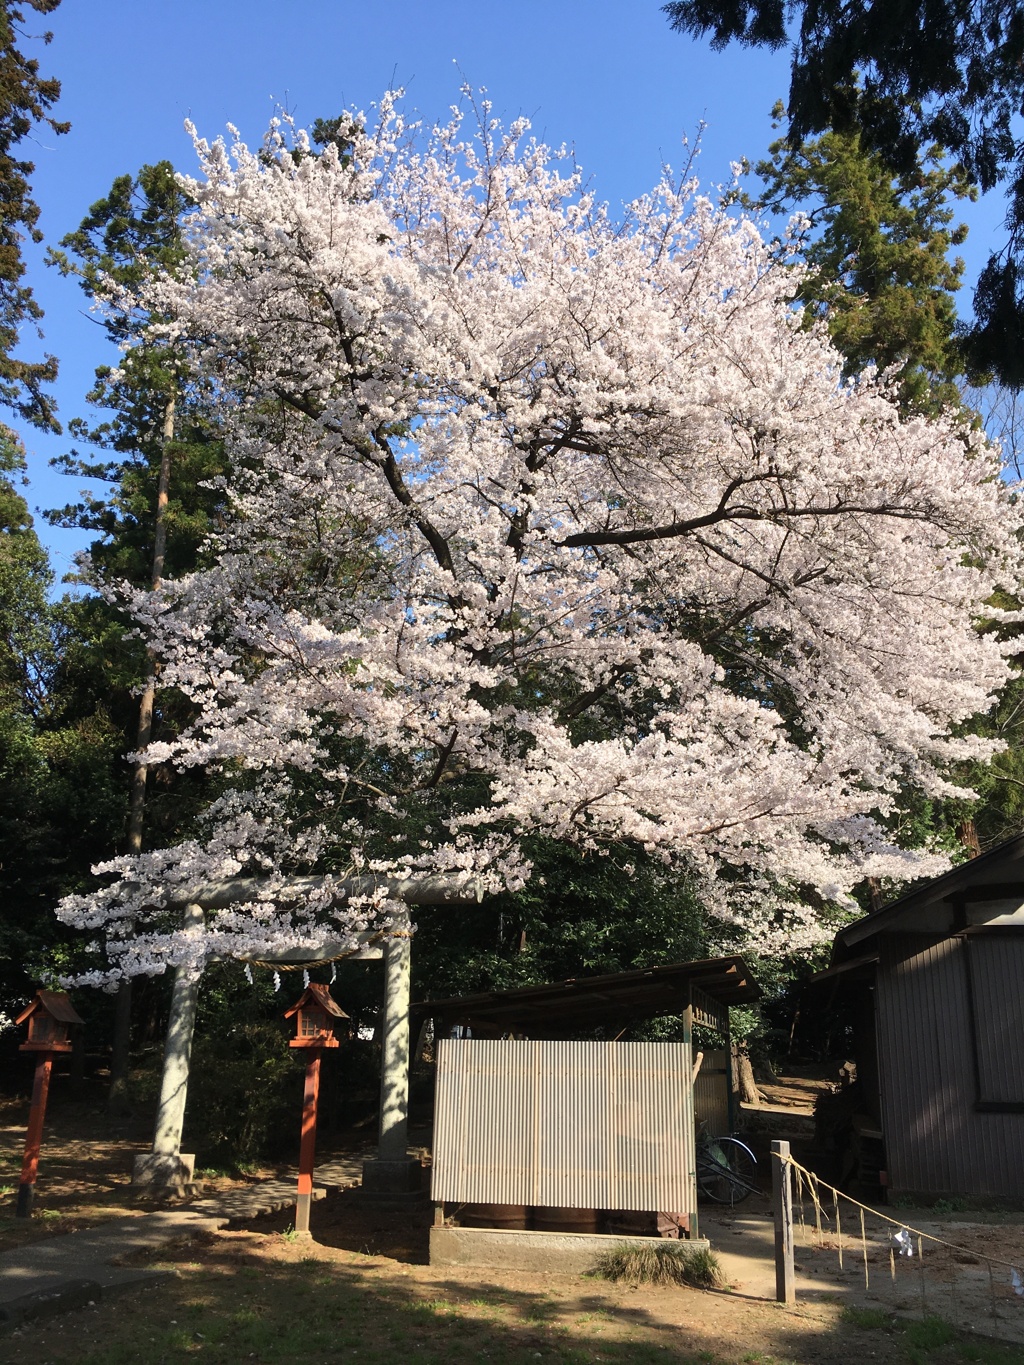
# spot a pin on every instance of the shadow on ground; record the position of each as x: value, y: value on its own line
x: 265, y: 1298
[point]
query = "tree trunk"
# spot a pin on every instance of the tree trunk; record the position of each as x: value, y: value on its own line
x: 749, y: 1093
x: 120, y: 1059
x: 969, y: 838
x: 78, y: 1062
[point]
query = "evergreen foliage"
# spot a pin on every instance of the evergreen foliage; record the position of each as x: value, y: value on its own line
x: 128, y: 237
x: 905, y: 75
x: 25, y: 99
x: 877, y: 246
x: 69, y: 670
x: 61, y: 796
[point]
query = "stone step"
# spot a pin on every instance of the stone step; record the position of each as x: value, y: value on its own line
x: 267, y: 1196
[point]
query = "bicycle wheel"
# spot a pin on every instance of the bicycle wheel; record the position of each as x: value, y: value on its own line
x: 725, y: 1170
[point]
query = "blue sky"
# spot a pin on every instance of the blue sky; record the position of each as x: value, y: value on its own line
x: 611, y: 79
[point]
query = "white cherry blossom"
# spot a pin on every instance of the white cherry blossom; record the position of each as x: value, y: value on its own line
x: 548, y: 521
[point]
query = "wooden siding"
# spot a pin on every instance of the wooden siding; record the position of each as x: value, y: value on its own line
x: 996, y: 962
x: 711, y: 1092
x: 936, y: 1139
x: 564, y: 1124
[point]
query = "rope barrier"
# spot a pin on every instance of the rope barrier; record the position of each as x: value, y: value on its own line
x: 815, y: 1180
x: 903, y: 1240
x: 323, y: 961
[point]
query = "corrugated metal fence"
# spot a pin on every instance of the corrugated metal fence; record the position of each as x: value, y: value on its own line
x: 564, y: 1124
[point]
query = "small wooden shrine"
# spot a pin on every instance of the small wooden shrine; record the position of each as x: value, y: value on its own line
x: 49, y: 1017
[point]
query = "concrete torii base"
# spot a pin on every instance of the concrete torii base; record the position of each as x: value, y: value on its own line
x: 164, y: 1174
x: 392, y: 1182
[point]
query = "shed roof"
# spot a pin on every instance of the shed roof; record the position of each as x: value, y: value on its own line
x: 928, y: 907
x: 580, y: 1001
x: 317, y: 994
x: 56, y: 1003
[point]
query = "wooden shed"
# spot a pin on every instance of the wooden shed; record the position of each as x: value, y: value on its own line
x: 534, y: 1112
x: 935, y: 982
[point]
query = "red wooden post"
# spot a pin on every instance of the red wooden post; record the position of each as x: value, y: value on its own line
x: 34, y: 1136
x: 313, y: 1013
x: 308, y: 1144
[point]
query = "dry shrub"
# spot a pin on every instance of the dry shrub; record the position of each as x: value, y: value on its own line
x: 662, y: 1262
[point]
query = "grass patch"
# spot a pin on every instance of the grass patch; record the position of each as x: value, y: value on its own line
x: 932, y: 1339
x: 986, y: 1353
x: 662, y: 1263
x: 931, y: 1333
x: 868, y: 1318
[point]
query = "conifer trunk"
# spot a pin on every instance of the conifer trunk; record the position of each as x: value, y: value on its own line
x: 968, y: 833
x: 117, y: 1098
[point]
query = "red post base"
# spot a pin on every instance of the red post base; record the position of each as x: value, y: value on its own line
x: 308, y: 1145
x: 34, y: 1136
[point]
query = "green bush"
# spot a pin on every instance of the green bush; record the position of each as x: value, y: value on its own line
x: 245, y: 1095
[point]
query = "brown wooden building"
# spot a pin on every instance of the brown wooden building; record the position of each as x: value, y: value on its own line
x: 935, y: 981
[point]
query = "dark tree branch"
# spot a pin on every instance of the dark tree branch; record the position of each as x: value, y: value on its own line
x: 778, y: 515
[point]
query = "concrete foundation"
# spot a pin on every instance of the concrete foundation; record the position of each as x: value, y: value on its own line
x: 548, y: 1253
x: 165, y: 1173
x: 392, y: 1181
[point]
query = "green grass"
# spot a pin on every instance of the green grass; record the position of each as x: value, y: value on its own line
x: 867, y: 1317
x: 662, y: 1263
x: 933, y: 1339
x: 931, y: 1333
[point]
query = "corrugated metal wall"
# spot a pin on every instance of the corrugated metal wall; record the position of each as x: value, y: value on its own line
x: 564, y: 1124
x: 935, y: 1139
x: 711, y: 1092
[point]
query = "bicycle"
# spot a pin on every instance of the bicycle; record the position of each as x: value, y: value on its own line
x: 725, y: 1169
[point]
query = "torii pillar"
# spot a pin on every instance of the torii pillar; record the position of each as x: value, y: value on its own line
x: 393, y: 1172
x: 166, y: 1168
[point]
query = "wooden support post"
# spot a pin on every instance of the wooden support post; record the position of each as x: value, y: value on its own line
x: 439, y: 1215
x: 34, y: 1136
x: 782, y: 1204
x: 692, y: 1215
x: 307, y: 1147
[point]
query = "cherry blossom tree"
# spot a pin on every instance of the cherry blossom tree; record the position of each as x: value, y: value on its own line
x: 543, y: 521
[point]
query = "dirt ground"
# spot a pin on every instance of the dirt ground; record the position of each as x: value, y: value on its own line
x: 84, y: 1171
x: 361, y: 1256
x: 365, y: 1255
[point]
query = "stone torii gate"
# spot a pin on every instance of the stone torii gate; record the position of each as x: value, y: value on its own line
x: 392, y: 1172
